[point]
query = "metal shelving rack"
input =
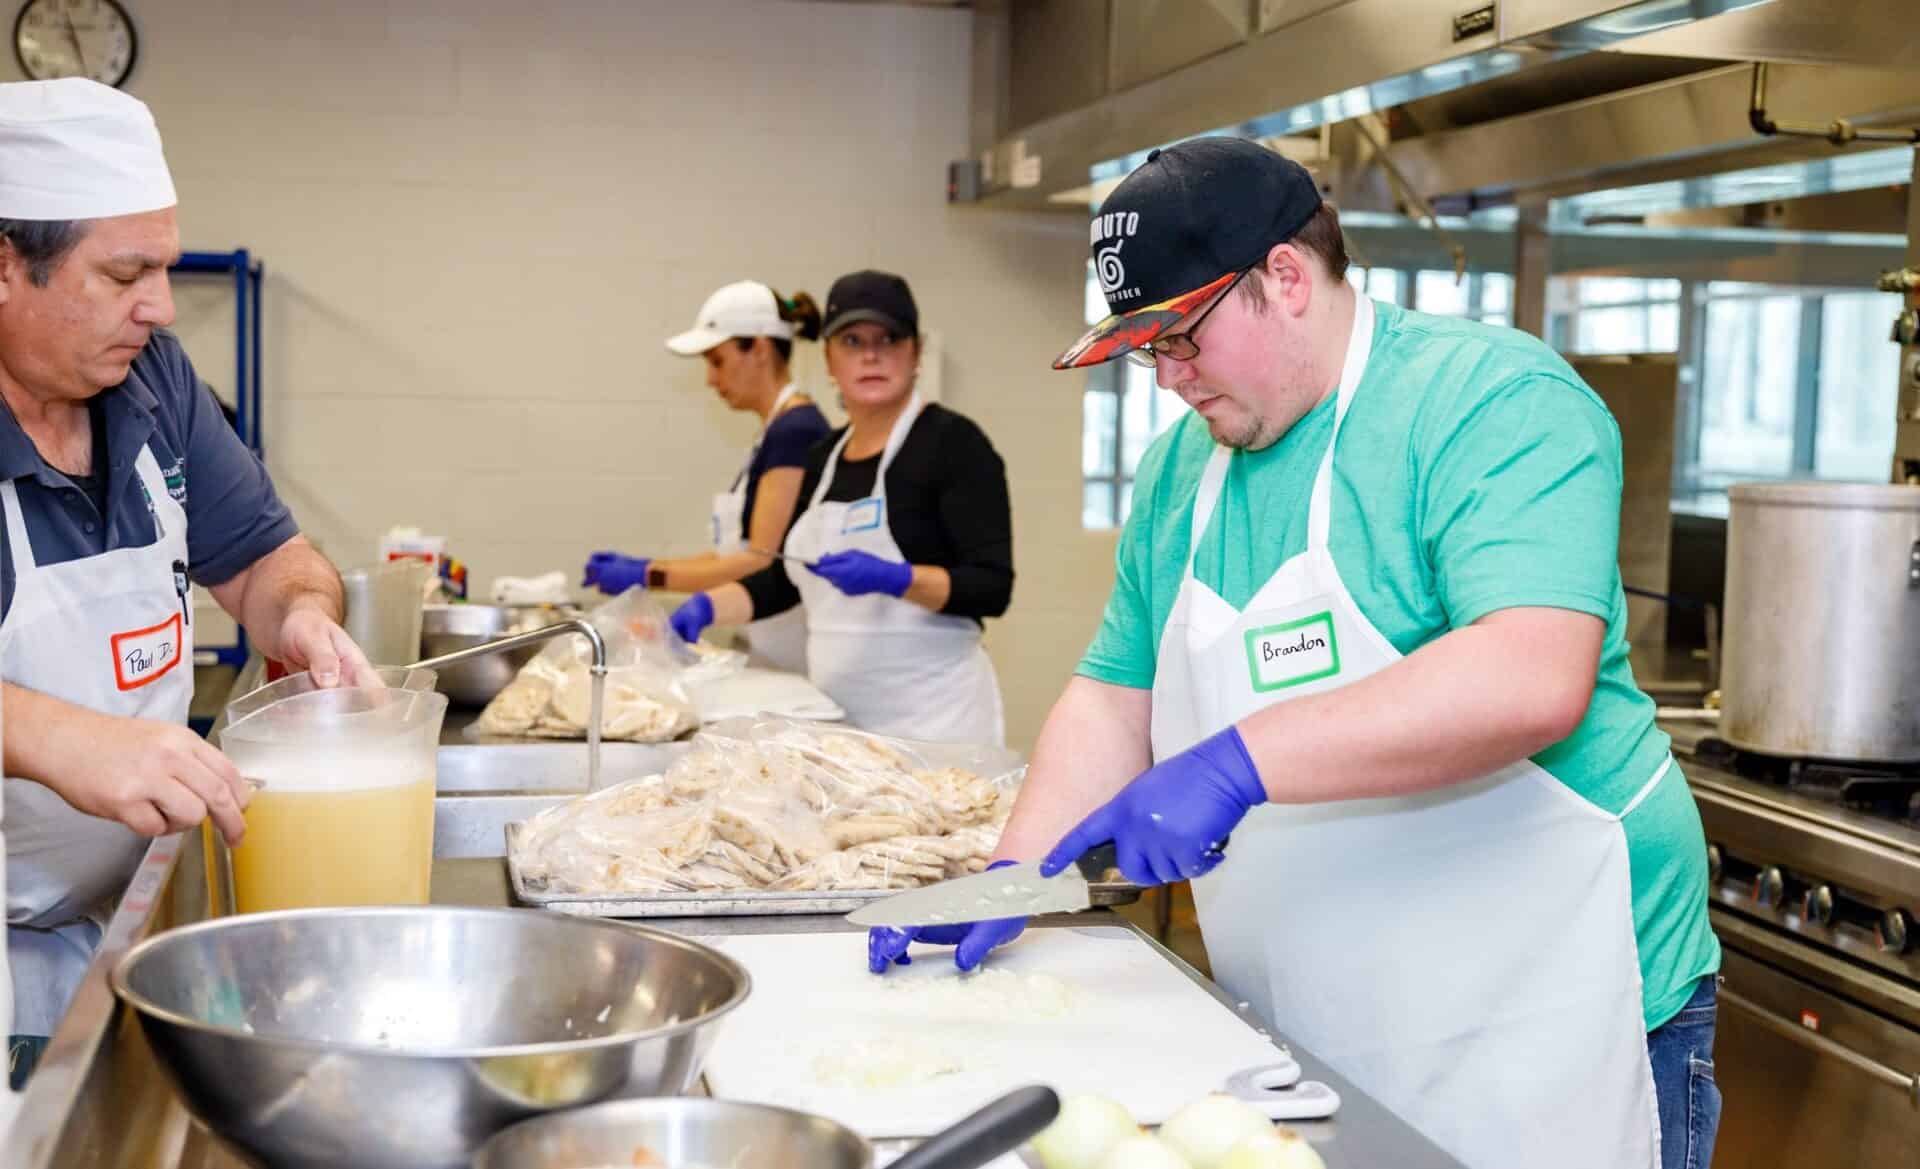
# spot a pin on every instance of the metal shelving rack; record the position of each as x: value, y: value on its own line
x: 247, y: 275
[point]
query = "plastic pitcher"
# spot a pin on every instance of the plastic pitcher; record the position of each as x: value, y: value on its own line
x: 344, y: 814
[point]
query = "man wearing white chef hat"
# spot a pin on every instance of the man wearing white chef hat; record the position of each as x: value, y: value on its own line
x: 120, y: 482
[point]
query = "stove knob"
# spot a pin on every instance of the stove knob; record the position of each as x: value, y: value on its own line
x: 1895, y: 931
x: 1819, y: 905
x: 1713, y: 862
x: 1770, y: 887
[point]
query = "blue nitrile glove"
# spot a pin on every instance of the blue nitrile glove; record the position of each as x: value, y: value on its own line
x: 1170, y: 823
x: 859, y: 573
x: 694, y: 615
x: 613, y: 573
x: 887, y: 946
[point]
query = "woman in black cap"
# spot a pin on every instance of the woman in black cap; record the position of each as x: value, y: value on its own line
x: 903, y: 544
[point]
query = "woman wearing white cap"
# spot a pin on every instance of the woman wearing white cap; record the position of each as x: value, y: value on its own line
x: 745, y: 331
x: 903, y: 544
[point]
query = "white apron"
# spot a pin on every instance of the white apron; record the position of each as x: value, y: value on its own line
x: 111, y: 633
x: 778, y: 642
x: 1466, y: 956
x: 895, y: 667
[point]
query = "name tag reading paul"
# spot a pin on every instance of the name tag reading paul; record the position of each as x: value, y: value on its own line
x: 1280, y: 656
x: 863, y: 515
x: 142, y: 657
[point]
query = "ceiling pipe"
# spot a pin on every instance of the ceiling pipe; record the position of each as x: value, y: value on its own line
x: 1839, y: 132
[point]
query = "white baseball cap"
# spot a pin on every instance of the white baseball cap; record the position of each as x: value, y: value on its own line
x: 76, y: 149
x: 746, y: 309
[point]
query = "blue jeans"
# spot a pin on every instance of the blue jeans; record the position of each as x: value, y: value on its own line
x: 1681, y: 1051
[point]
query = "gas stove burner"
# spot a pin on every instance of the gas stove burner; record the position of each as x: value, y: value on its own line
x: 1883, y: 789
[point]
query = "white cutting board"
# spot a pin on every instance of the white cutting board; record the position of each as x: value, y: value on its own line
x: 1132, y: 1027
x: 751, y: 691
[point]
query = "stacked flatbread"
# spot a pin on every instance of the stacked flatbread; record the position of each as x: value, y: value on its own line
x: 555, y: 702
x: 790, y: 808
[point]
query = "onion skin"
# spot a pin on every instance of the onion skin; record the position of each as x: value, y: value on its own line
x: 1143, y: 1152
x: 1277, y: 1149
x: 1204, y: 1130
x: 1087, y: 1128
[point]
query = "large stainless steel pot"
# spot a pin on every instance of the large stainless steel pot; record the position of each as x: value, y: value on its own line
x: 402, y: 1038
x: 1821, y: 642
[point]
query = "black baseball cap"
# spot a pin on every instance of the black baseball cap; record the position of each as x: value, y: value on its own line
x: 1179, y: 228
x: 867, y: 295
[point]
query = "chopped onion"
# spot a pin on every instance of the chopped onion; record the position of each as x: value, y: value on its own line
x: 1087, y: 1127
x: 1204, y: 1130
x: 1274, y: 1149
x: 1143, y: 1152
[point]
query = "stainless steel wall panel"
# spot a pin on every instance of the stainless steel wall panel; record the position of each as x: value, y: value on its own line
x: 1152, y: 38
x: 1688, y: 127
x: 1880, y: 33
x: 1278, y: 14
x: 1057, y: 57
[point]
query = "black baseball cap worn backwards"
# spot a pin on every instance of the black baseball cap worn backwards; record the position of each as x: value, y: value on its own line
x: 1179, y: 228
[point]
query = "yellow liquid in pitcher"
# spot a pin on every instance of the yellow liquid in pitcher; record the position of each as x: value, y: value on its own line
x: 361, y: 846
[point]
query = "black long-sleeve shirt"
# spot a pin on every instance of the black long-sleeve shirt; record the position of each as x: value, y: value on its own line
x: 947, y: 506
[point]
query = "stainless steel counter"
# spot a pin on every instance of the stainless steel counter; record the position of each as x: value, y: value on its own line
x: 99, y: 1100
x: 1362, y: 1133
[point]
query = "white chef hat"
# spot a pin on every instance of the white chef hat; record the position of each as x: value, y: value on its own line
x: 76, y: 149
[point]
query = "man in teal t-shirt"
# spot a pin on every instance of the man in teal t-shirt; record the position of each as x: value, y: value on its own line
x: 1363, y: 678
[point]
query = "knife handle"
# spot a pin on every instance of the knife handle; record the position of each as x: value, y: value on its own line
x: 1100, y: 865
x: 995, y: 1130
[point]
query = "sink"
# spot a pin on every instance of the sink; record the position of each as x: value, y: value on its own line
x: 485, y: 786
x: 476, y: 825
x: 545, y: 767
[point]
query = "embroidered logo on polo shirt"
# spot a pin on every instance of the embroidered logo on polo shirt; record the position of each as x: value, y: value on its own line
x: 176, y: 480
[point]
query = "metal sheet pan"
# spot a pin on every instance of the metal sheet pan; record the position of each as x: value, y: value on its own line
x: 730, y: 903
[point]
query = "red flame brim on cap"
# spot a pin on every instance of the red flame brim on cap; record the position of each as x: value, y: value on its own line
x: 1126, y: 331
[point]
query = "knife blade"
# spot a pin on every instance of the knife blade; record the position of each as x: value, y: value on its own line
x: 1012, y: 891
x: 801, y: 561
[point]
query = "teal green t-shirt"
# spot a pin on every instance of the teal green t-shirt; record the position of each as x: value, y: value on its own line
x: 1475, y: 472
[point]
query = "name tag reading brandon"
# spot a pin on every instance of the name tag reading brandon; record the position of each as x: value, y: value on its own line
x: 1279, y: 656
x: 144, y: 656
x: 862, y: 515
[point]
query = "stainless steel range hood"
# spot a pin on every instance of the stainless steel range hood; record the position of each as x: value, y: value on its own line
x: 1291, y: 66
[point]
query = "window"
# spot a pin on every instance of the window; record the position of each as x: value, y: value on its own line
x: 1124, y: 411
x: 1776, y: 382
x: 1858, y: 387
x: 1615, y: 315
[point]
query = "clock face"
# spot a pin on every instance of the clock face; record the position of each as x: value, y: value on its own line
x: 75, y: 38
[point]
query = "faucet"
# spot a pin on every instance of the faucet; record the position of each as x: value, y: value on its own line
x: 577, y: 625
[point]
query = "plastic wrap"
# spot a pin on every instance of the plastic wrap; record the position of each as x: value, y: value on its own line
x: 779, y: 804
x: 648, y: 671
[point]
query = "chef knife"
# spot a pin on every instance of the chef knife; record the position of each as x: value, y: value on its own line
x: 801, y: 561
x: 1011, y: 891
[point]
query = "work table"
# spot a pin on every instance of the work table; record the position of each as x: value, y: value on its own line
x: 100, y: 1100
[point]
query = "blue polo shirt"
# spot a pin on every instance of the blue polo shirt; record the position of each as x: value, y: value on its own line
x: 234, y: 517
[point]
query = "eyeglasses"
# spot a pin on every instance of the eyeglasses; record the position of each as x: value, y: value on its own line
x: 855, y: 346
x: 1181, y: 346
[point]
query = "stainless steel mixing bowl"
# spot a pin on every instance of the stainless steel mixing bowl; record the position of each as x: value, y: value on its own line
x: 401, y: 1038
x: 446, y: 628
x: 694, y: 1131
x: 701, y: 1133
